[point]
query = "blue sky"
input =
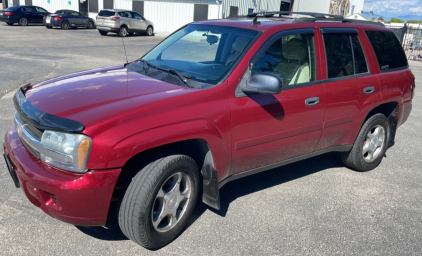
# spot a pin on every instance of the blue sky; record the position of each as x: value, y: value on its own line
x: 394, y: 8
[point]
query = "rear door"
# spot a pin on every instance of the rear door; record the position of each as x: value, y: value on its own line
x: 346, y: 69
x: 267, y: 129
x: 126, y: 18
x: 30, y: 13
x: 40, y: 13
x: 139, y: 21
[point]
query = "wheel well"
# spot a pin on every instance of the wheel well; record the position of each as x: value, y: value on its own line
x: 124, y: 25
x: 195, y: 148
x: 386, y: 109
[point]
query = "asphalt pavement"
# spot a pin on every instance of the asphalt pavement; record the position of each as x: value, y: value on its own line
x: 313, y: 207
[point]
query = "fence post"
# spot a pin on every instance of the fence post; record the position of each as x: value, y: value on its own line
x: 404, y: 31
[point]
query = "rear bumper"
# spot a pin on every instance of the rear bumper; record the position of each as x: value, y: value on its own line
x: 108, y: 29
x: 8, y: 19
x: 79, y: 199
x: 404, y: 111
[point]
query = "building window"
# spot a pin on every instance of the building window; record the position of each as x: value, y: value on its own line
x: 93, y: 6
x: 250, y: 10
x: 138, y: 6
x: 200, y: 12
x: 233, y: 11
x: 108, y: 4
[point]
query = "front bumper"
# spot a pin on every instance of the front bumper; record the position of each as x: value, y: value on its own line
x: 79, y: 199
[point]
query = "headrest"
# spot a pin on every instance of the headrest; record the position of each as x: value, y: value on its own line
x: 295, y: 49
x: 240, y: 43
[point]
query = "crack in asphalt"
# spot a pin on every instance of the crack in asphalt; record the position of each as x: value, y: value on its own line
x: 29, y: 79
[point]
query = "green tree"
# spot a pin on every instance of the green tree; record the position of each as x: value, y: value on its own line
x: 415, y: 21
x: 396, y: 20
x: 381, y: 18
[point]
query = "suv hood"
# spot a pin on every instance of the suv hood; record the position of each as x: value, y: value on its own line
x: 94, y: 95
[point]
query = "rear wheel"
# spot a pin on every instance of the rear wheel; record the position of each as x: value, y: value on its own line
x: 159, y: 201
x: 370, y: 145
x: 90, y: 25
x: 103, y: 33
x: 9, y: 23
x: 123, y: 31
x: 65, y: 25
x: 150, y: 31
x: 23, y: 21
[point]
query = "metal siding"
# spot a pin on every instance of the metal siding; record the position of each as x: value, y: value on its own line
x: 214, y: 12
x: 319, y: 6
x: 256, y: 5
x: 168, y: 17
x: 55, y: 5
x: 123, y: 4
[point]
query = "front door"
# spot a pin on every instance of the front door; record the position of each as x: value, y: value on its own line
x: 40, y: 13
x: 271, y: 128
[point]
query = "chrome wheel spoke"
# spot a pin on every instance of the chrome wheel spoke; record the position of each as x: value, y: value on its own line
x: 365, y: 147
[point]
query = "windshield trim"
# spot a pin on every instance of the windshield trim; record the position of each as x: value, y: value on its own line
x: 235, y: 64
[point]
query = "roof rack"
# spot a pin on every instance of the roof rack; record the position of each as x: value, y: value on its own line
x: 314, y: 17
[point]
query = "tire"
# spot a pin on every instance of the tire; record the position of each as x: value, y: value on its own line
x: 370, y: 145
x: 153, y: 195
x: 123, y: 31
x: 65, y: 25
x: 23, y: 21
x: 90, y: 25
x: 150, y: 31
x: 49, y: 26
x: 103, y: 33
x: 9, y: 23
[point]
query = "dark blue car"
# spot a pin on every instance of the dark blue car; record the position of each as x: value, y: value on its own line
x: 23, y: 15
x: 68, y: 19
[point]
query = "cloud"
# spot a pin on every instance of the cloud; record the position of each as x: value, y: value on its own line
x: 393, y: 8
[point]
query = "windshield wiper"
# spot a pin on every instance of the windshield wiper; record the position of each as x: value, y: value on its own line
x: 149, y: 64
x: 180, y: 75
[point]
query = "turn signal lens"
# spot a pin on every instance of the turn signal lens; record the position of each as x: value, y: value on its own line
x: 83, y: 150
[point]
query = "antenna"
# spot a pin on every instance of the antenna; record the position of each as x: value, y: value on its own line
x: 124, y: 47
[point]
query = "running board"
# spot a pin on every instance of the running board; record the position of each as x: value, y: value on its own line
x: 343, y: 148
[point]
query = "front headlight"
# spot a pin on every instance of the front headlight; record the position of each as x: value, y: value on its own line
x: 66, y: 151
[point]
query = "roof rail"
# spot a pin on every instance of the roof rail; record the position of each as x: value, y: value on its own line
x: 315, y: 17
x: 312, y: 14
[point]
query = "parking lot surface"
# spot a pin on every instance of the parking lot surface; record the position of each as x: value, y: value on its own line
x: 313, y: 207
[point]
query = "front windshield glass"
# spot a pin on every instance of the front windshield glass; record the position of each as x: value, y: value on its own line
x: 205, y: 53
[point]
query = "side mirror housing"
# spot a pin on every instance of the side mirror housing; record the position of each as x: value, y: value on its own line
x: 263, y: 83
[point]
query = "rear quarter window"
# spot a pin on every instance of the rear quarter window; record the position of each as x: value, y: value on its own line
x: 387, y: 48
x: 106, y: 13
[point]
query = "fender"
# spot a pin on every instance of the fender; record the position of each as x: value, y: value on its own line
x: 194, y: 129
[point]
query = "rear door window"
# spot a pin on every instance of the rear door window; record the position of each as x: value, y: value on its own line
x: 387, y: 48
x: 125, y: 14
x: 345, y: 56
x: 106, y: 13
x: 137, y: 16
x: 41, y: 10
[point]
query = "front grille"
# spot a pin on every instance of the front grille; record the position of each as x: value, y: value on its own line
x: 35, y: 132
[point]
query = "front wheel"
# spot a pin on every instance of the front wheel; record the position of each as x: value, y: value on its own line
x: 90, y: 25
x: 23, y: 21
x: 370, y: 145
x: 159, y: 201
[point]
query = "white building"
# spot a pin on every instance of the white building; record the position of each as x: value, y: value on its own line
x: 169, y: 15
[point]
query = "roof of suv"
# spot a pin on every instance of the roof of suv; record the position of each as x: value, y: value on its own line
x: 267, y: 21
x: 116, y: 10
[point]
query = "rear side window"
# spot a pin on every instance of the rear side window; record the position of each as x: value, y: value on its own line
x: 60, y: 12
x: 125, y: 14
x: 40, y: 10
x: 345, y: 56
x: 106, y: 13
x: 388, y: 50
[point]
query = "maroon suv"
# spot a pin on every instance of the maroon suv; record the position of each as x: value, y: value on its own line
x: 215, y: 101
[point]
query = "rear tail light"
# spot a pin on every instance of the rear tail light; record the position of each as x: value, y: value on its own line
x: 7, y: 13
x: 115, y: 18
x: 58, y: 18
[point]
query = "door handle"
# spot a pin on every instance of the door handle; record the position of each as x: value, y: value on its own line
x: 369, y: 90
x: 312, y: 101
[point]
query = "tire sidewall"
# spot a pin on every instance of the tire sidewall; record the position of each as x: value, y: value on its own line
x: 372, y: 122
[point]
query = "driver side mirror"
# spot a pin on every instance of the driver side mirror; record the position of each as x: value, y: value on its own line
x: 263, y: 83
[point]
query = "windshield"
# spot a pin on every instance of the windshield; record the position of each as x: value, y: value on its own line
x: 205, y: 53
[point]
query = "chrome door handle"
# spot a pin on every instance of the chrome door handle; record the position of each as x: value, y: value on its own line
x: 369, y: 90
x: 312, y: 101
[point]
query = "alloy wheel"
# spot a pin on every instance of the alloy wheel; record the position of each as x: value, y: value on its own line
x: 373, y: 144
x: 171, y: 202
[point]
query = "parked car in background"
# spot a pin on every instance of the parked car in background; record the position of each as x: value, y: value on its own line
x: 123, y: 22
x: 68, y: 19
x: 23, y: 15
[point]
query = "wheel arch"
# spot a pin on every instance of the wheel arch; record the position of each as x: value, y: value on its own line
x: 198, y: 149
